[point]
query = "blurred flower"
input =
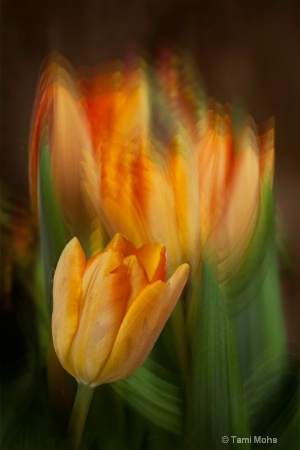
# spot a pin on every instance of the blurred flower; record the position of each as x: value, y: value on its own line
x: 109, y: 311
x: 233, y: 174
x: 173, y: 161
x: 144, y: 153
x: 61, y: 145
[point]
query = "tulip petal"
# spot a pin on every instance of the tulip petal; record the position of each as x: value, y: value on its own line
x: 67, y: 293
x: 121, y: 244
x: 71, y: 156
x: 118, y: 193
x: 185, y: 183
x: 102, y: 103
x: 105, y: 290
x: 240, y: 217
x: 137, y: 276
x: 153, y: 257
x: 142, y: 325
x: 214, y: 163
x: 156, y: 194
x: 133, y: 115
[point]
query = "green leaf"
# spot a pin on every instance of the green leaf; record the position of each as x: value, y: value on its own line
x: 271, y: 396
x: 215, y: 406
x: 28, y: 417
x: 247, y: 278
x: 153, y: 392
x: 270, y: 386
x: 291, y: 437
x: 54, y: 234
x: 259, y: 327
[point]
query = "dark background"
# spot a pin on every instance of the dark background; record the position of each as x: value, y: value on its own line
x: 247, y: 52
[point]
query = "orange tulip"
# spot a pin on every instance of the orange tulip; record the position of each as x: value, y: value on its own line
x: 109, y: 311
x: 61, y: 134
x: 233, y: 174
x: 146, y: 157
x: 135, y: 172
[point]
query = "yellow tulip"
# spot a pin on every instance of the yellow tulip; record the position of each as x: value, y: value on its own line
x: 109, y: 311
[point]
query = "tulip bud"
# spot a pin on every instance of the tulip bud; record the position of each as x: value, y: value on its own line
x: 109, y: 311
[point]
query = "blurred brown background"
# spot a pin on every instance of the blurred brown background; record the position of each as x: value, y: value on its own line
x: 247, y: 52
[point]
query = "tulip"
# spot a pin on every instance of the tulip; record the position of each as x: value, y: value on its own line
x: 233, y: 174
x: 61, y: 138
x: 135, y: 172
x: 109, y: 311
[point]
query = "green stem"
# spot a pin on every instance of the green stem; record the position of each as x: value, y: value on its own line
x: 79, y: 414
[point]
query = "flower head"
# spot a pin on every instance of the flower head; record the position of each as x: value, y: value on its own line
x: 61, y: 152
x: 109, y: 311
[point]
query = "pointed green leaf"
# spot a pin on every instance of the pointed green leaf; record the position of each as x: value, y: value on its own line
x: 215, y: 405
x: 269, y: 386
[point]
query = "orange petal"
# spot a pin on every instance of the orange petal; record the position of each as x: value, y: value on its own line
x: 240, y: 216
x: 185, y: 187
x: 153, y: 257
x: 119, y: 196
x: 121, y: 244
x: 67, y: 292
x: 133, y: 114
x: 137, y: 276
x: 101, y: 110
x: 71, y: 152
x: 70, y: 138
x: 142, y: 325
x: 155, y: 193
x: 106, y: 290
x: 214, y: 164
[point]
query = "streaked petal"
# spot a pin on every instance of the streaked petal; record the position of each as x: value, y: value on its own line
x: 156, y: 194
x: 67, y: 293
x: 240, y: 217
x: 70, y: 141
x: 184, y: 177
x: 215, y: 159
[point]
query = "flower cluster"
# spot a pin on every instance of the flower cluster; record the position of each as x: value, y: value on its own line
x: 137, y: 150
x: 144, y: 155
